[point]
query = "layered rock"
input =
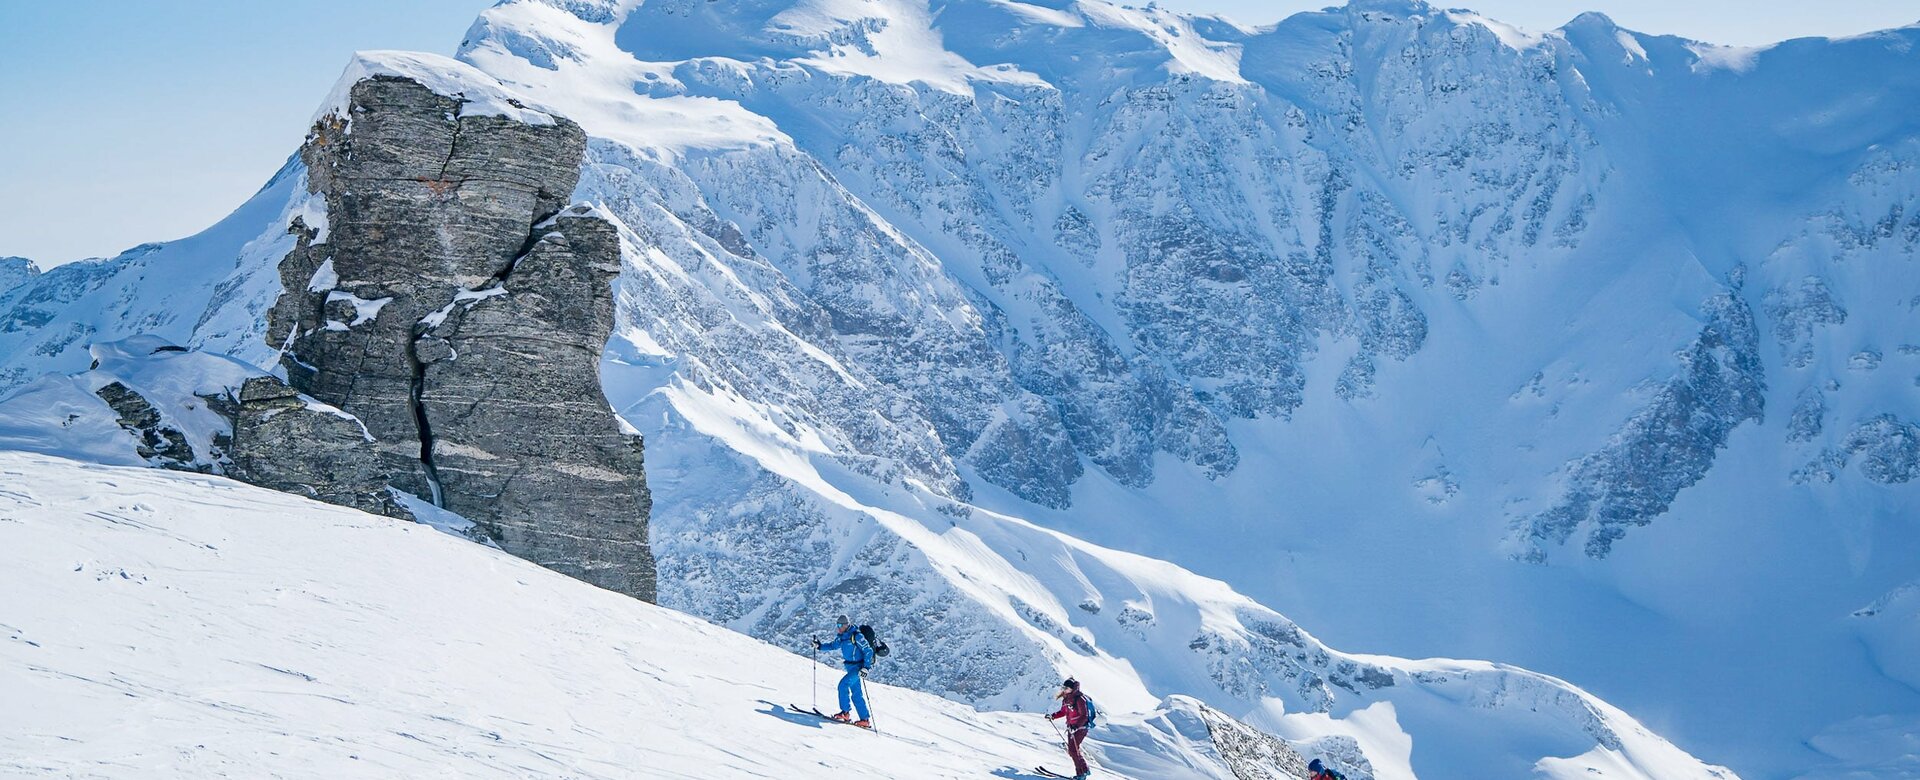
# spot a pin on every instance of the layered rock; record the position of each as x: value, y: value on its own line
x: 523, y: 440
x: 284, y: 441
x: 450, y: 308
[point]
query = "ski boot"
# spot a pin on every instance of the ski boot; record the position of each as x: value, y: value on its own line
x: 864, y: 723
x: 842, y: 716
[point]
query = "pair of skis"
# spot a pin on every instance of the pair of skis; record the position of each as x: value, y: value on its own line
x: 1039, y: 770
x: 828, y: 718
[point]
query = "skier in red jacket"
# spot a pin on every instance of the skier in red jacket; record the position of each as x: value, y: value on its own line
x: 1079, y: 712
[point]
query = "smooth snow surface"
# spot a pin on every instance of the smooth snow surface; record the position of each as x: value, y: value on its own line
x: 159, y: 624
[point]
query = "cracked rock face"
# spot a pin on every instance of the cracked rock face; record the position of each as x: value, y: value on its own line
x: 450, y: 309
x: 523, y: 361
x: 282, y: 442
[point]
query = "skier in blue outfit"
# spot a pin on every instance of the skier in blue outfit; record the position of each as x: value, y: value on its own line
x: 855, y: 656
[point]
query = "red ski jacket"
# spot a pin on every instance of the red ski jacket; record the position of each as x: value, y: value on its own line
x: 1074, y: 709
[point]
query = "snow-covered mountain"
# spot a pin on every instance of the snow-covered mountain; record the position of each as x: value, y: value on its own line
x: 1583, y: 350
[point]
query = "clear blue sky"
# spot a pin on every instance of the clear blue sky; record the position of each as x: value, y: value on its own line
x: 129, y: 121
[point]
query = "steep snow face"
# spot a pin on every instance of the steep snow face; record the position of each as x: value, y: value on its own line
x: 1148, y: 254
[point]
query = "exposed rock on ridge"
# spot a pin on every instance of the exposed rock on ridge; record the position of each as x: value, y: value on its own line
x: 16, y: 271
x: 1250, y: 753
x: 1669, y: 444
x: 453, y: 310
x: 156, y: 403
x: 160, y: 443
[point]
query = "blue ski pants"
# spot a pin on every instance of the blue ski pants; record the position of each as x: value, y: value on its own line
x: 852, y: 690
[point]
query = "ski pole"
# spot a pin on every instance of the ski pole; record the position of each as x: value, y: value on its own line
x: 815, y: 663
x: 872, y: 711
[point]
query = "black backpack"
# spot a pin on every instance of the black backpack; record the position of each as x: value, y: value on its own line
x: 879, y: 646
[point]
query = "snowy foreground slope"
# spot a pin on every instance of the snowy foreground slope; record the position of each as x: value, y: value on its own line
x: 1586, y: 351
x: 160, y: 624
x: 168, y: 625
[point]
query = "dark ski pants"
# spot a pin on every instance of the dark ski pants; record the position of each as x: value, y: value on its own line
x: 850, y: 688
x: 1073, y: 749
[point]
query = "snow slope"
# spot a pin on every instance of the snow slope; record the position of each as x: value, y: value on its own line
x: 160, y: 624
x: 210, y: 290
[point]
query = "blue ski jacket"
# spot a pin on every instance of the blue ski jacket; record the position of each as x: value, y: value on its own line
x: 852, y: 646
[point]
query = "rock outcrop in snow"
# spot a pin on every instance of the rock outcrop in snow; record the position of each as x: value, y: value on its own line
x: 191, y: 411
x: 448, y: 302
x: 286, y: 441
x: 1669, y: 444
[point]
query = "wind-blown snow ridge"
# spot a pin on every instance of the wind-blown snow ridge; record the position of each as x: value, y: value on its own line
x: 479, y: 94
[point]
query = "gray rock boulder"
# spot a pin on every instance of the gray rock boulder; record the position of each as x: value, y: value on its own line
x: 450, y: 308
x: 522, y: 438
x: 285, y: 441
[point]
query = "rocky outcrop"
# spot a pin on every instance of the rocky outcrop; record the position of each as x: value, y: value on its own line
x: 1889, y: 449
x: 519, y: 358
x: 1252, y: 754
x: 453, y: 309
x: 284, y: 441
x: 1670, y: 444
x: 159, y: 443
x: 147, y: 400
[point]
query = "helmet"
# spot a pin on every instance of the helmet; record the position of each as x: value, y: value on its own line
x: 1316, y: 766
x: 1071, y: 683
